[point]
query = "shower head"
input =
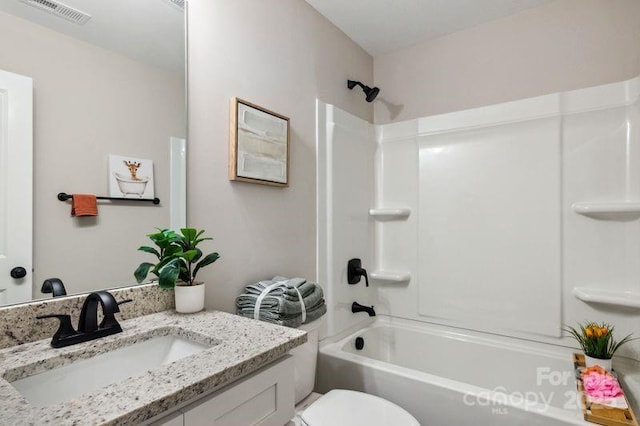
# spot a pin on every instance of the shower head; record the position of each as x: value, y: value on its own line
x: 371, y: 93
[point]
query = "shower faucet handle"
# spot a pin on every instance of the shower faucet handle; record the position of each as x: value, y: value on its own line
x: 355, y: 271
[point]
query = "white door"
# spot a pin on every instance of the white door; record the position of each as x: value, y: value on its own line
x: 16, y: 140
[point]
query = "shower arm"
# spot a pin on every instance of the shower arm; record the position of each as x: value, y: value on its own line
x: 352, y: 83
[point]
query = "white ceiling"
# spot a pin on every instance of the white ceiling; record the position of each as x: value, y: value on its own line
x: 150, y: 31
x: 381, y: 26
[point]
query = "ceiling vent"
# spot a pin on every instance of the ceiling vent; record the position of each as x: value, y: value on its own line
x: 61, y: 10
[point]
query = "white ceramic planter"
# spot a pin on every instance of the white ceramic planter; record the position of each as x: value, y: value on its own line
x: 189, y: 298
x: 604, y: 363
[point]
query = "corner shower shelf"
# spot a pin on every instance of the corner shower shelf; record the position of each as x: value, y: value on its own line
x: 392, y: 276
x: 608, y: 297
x: 390, y: 213
x: 616, y: 207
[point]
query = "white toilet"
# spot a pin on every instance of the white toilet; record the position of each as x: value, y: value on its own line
x: 339, y: 407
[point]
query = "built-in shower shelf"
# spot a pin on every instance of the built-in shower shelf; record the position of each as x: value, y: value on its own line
x: 391, y: 276
x: 598, y: 208
x: 390, y: 213
x: 627, y: 299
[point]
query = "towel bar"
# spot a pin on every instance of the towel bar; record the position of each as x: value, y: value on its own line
x: 63, y: 196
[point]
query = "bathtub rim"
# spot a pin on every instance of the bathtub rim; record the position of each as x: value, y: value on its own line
x: 492, y: 339
x: 334, y: 347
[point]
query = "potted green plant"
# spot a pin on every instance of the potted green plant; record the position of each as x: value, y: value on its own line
x: 179, y: 261
x: 597, y: 342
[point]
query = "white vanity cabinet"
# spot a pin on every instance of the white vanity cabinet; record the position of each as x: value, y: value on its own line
x: 265, y: 397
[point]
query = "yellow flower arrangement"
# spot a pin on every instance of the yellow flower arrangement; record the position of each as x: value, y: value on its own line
x: 596, y: 340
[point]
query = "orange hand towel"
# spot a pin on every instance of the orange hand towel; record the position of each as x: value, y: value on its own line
x: 84, y: 205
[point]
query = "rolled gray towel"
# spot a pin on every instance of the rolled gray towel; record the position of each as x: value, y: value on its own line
x: 287, y: 320
x: 279, y: 304
x: 304, y: 287
x: 316, y: 313
x: 249, y: 311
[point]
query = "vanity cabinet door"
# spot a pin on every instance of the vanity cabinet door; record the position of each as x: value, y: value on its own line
x: 264, y: 398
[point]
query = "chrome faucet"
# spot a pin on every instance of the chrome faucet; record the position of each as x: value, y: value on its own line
x: 88, y: 327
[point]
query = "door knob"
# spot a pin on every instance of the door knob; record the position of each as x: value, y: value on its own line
x: 18, y: 272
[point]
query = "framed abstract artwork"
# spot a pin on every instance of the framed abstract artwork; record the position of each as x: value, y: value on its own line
x: 259, y: 145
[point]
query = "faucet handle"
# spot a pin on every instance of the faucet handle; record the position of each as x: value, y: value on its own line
x: 355, y: 271
x: 64, y: 330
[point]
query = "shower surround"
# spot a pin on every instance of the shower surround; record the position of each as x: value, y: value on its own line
x: 512, y: 219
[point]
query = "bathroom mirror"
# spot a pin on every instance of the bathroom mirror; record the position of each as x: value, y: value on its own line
x: 108, y: 79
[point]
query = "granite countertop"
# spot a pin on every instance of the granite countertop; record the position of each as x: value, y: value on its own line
x: 239, y: 347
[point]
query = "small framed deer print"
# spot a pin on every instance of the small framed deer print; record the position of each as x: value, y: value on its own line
x: 130, y: 177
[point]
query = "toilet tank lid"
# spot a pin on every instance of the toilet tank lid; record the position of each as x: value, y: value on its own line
x: 347, y: 408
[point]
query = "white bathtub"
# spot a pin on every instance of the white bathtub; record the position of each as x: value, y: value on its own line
x: 445, y: 377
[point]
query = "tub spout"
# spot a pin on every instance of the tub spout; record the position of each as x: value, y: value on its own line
x: 356, y: 307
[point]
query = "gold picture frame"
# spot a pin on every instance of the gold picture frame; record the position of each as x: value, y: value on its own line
x: 259, y: 145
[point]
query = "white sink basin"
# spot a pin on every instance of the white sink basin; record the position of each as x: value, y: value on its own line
x: 83, y: 376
